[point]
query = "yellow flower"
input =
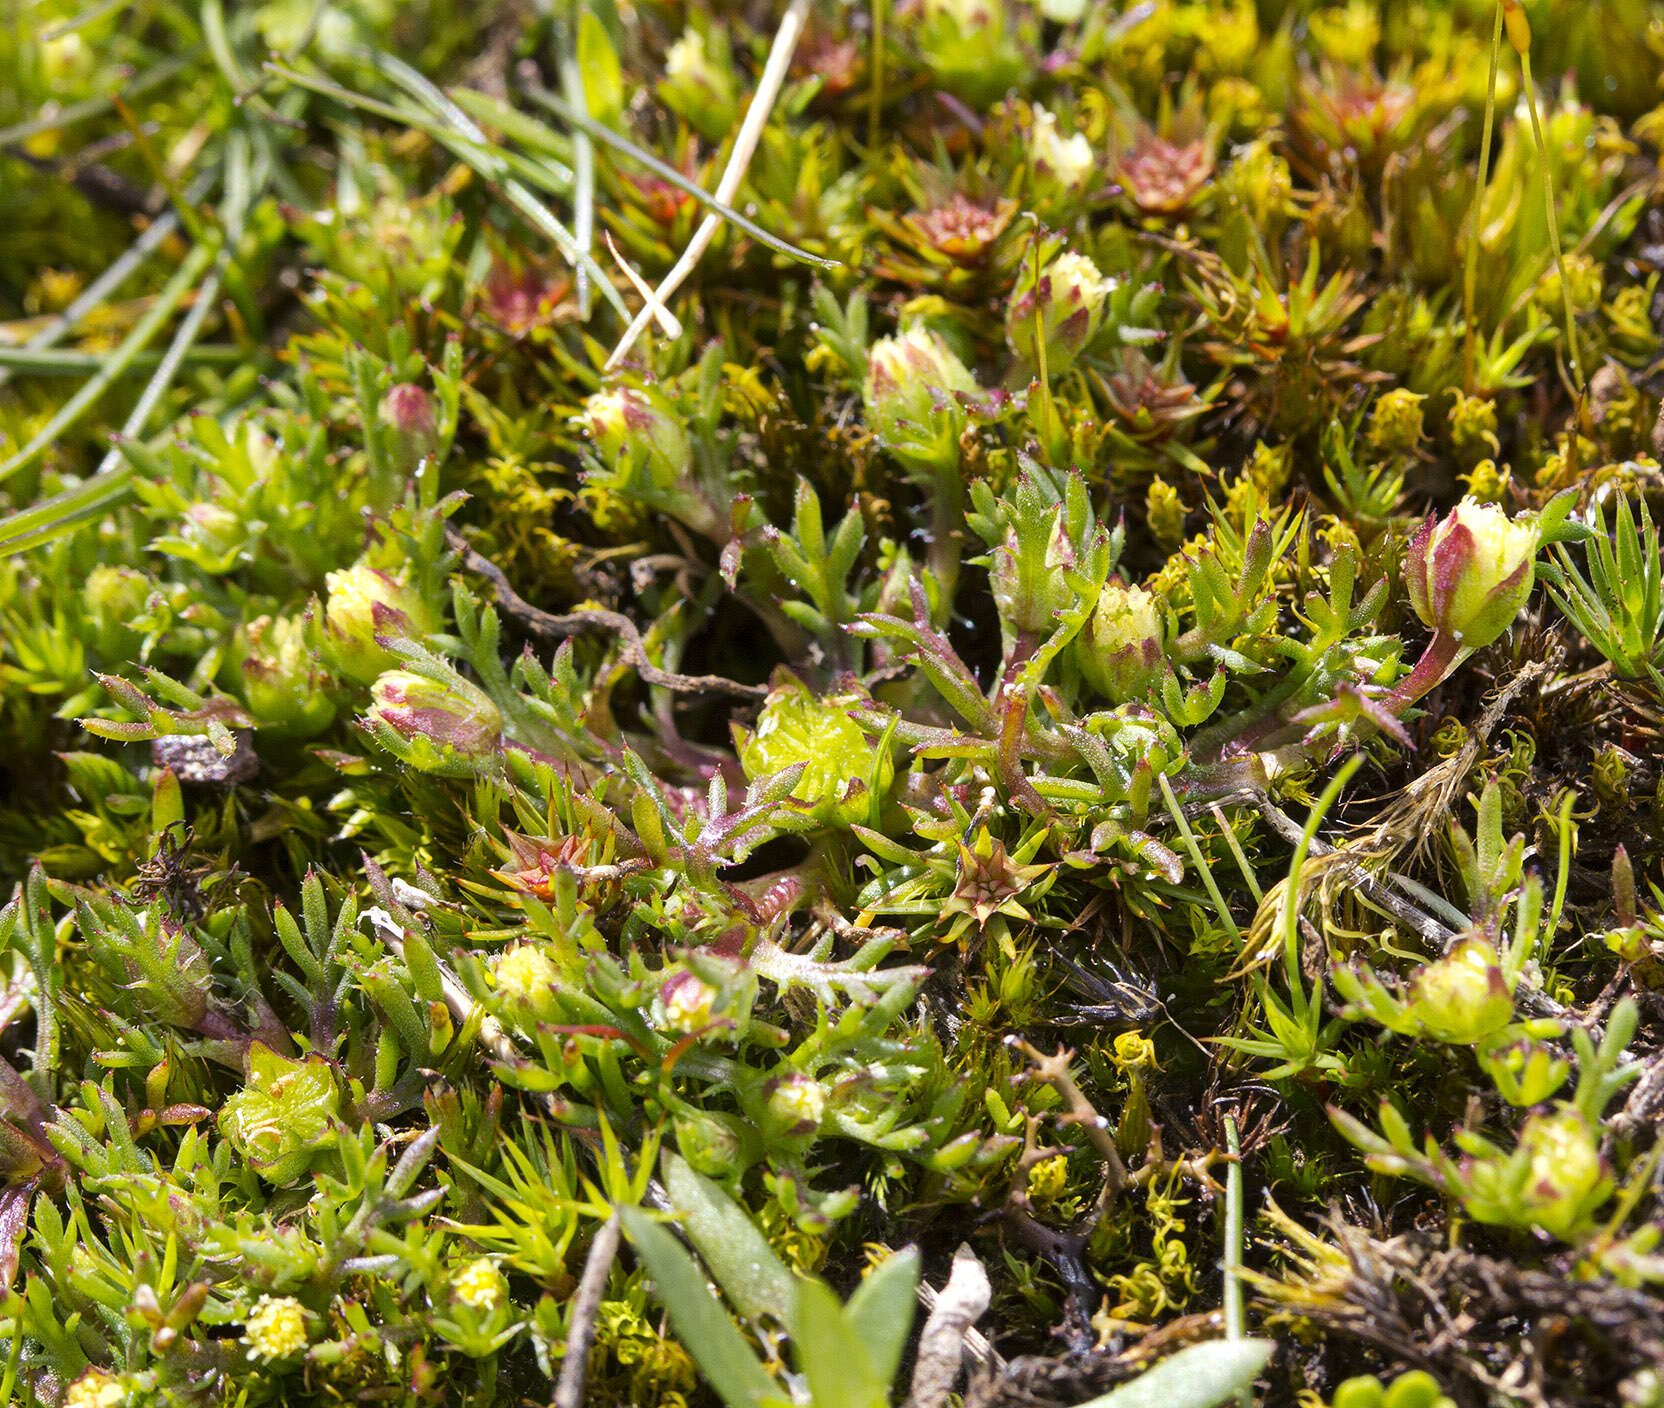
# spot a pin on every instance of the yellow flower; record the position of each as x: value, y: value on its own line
x: 1486, y: 481
x: 276, y: 1329
x: 95, y: 1389
x: 689, y: 1003
x: 479, y: 1285
x: 1067, y: 160
x: 1473, y: 425
x: 525, y: 974
x: 1048, y: 1179
x: 1134, y: 1051
x: 1164, y: 511
x: 1396, y: 424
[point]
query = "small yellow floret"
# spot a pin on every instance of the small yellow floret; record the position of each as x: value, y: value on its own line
x: 95, y: 1389
x: 479, y: 1285
x: 525, y: 974
x: 276, y: 1328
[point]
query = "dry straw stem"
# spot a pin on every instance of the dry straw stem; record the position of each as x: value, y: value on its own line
x: 745, y: 145
x: 586, y: 1305
x: 650, y: 300
x: 942, y: 1345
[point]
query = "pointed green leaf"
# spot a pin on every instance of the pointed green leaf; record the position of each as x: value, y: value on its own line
x: 598, y: 63
x: 834, y: 1361
x: 882, y: 1308
x: 1198, y: 1377
x: 739, y: 1256
x: 701, y: 1323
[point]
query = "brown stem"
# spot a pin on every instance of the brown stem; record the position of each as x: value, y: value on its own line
x: 546, y: 623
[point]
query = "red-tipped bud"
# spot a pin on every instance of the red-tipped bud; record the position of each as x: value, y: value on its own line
x: 911, y: 397
x: 1469, y: 573
x: 456, y: 717
x: 407, y: 411
x: 1121, y: 651
x: 365, y: 603
x: 1064, y: 308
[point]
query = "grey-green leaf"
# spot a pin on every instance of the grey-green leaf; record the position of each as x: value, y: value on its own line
x: 701, y: 1323
x: 882, y: 1308
x: 754, y: 1279
x: 1199, y: 1377
x: 838, y: 1367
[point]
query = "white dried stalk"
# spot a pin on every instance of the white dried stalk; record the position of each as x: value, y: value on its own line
x: 745, y: 146
x: 942, y: 1345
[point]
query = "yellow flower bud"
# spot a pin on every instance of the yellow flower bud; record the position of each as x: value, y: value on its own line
x: 1064, y: 306
x: 637, y: 431
x: 1063, y: 162
x: 1568, y: 1176
x: 365, y: 603
x: 689, y: 1003
x: 798, y: 1102
x: 911, y: 398
x: 455, y: 716
x: 95, y: 1389
x: 526, y: 977
x: 1464, y: 997
x: 1121, y: 650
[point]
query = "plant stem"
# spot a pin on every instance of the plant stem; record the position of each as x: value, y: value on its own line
x: 1203, y: 871
x: 1442, y: 655
x: 1553, y: 221
x: 1233, y: 1244
x: 875, y: 114
x: 583, y: 171
x: 947, y: 517
x: 1471, y: 273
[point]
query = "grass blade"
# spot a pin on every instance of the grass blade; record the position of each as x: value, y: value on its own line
x: 663, y: 170
x: 57, y: 361
x: 167, y: 302
x: 491, y: 163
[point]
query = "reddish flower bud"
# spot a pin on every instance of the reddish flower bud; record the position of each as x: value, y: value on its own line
x: 1469, y: 574
x: 407, y: 411
x: 638, y: 431
x: 1122, y: 650
x: 365, y: 603
x: 910, y: 393
x: 1065, y: 306
x: 453, y: 715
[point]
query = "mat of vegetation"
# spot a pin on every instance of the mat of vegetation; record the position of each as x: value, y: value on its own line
x: 847, y: 704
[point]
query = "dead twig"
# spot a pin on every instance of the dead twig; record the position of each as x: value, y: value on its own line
x: 549, y: 625
x: 586, y: 1303
x: 942, y: 1344
x: 745, y: 145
